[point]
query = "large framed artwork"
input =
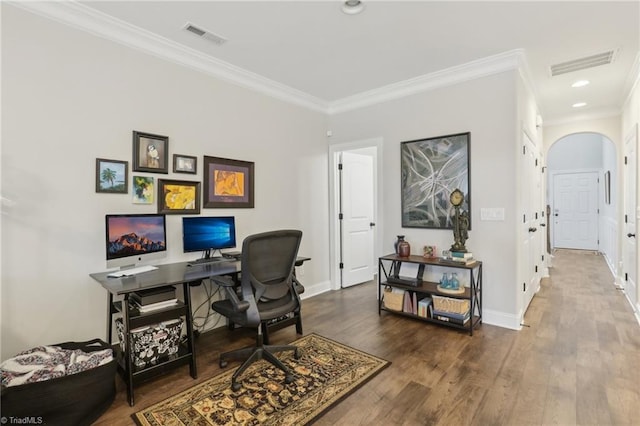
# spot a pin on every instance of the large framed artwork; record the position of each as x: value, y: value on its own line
x: 431, y: 169
x: 228, y: 183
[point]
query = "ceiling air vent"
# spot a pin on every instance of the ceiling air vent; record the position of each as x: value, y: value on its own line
x: 204, y: 33
x: 583, y: 63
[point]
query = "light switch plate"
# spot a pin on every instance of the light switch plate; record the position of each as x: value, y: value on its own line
x: 493, y: 213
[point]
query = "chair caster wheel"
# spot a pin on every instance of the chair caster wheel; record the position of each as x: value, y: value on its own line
x: 222, y: 364
x: 297, y: 354
x: 235, y: 386
x: 288, y: 379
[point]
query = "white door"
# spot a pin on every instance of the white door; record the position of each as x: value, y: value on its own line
x: 630, y: 237
x: 575, y: 210
x: 530, y: 220
x: 357, y: 218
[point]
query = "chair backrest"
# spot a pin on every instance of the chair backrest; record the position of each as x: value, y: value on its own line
x: 268, y: 261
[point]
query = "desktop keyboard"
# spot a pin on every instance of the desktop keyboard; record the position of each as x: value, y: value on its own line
x: 211, y: 260
x: 131, y: 271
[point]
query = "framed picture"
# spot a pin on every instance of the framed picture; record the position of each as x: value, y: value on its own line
x: 142, y: 189
x: 112, y: 176
x: 150, y: 153
x: 607, y: 187
x: 184, y: 164
x: 431, y: 169
x: 227, y: 183
x: 178, y: 196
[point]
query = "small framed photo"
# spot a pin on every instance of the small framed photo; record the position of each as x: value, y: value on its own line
x: 429, y: 252
x: 228, y: 183
x: 150, y: 153
x: 178, y: 196
x: 184, y: 164
x: 112, y: 176
x: 143, y: 189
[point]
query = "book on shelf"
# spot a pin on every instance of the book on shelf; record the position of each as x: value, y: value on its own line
x: 454, y: 318
x: 457, y: 261
x: 461, y: 255
x: 410, y: 304
x: 153, y: 295
x: 155, y: 306
x: 424, y: 307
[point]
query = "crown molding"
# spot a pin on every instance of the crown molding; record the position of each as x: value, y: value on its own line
x: 105, y: 26
x: 449, y: 76
x: 633, y: 79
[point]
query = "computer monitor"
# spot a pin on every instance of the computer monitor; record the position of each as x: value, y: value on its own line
x: 135, y: 238
x: 208, y: 234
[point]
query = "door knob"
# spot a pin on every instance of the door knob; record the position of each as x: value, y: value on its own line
x: 533, y: 229
x: 543, y: 224
x: 631, y: 235
x: 372, y: 224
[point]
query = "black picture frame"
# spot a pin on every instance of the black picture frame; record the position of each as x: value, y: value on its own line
x: 178, y: 196
x: 185, y: 164
x: 150, y: 153
x: 112, y: 176
x: 228, y: 183
x: 431, y: 169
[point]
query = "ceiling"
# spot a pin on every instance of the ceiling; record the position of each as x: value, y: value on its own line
x: 312, y: 50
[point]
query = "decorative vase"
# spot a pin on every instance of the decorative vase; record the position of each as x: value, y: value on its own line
x: 454, y: 284
x: 399, y: 238
x: 404, y: 248
x: 444, y: 281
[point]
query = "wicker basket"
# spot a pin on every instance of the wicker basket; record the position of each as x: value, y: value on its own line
x: 449, y: 304
x: 392, y: 300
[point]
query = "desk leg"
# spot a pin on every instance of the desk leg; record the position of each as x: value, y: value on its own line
x: 188, y: 320
x: 128, y: 361
x: 109, y: 317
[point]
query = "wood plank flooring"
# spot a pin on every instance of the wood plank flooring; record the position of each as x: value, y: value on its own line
x: 576, y: 362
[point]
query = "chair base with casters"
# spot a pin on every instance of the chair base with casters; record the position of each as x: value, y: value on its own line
x: 255, y: 353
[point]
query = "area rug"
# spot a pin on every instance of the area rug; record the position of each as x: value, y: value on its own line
x: 326, y: 373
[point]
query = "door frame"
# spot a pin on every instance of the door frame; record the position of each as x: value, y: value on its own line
x: 334, y: 202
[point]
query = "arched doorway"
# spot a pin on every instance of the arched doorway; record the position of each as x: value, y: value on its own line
x: 582, y: 194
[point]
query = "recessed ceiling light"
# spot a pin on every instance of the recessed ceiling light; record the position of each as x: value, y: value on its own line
x: 580, y: 83
x: 352, y: 7
x: 579, y: 104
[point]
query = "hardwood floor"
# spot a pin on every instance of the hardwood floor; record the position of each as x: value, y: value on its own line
x: 575, y: 362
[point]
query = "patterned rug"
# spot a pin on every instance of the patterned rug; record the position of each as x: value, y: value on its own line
x: 325, y: 374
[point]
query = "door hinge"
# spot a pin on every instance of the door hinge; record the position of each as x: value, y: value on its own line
x: 536, y: 215
x: 626, y: 219
x: 524, y: 287
x: 340, y: 216
x: 341, y: 265
x: 536, y: 162
x: 524, y: 218
x: 542, y: 257
x: 339, y: 166
x: 625, y: 160
x: 536, y: 269
x: 626, y: 276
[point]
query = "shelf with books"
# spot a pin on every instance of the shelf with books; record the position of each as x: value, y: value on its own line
x: 460, y: 311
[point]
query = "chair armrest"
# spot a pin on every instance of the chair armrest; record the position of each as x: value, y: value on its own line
x: 297, y: 286
x: 230, y: 287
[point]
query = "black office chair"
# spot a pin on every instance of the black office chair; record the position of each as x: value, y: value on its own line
x: 267, y: 291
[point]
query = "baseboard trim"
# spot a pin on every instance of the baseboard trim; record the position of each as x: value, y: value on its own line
x: 311, y: 290
x: 501, y: 319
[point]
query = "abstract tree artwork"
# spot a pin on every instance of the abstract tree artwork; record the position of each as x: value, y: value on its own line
x: 431, y: 169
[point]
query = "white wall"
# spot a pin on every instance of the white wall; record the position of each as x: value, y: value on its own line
x: 69, y: 98
x: 576, y: 151
x: 486, y: 107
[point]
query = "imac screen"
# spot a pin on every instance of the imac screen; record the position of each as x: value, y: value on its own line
x: 135, y: 237
x: 208, y: 233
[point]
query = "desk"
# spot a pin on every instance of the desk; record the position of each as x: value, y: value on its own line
x: 176, y: 274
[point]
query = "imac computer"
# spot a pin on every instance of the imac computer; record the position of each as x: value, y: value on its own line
x: 135, y: 239
x: 208, y: 235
